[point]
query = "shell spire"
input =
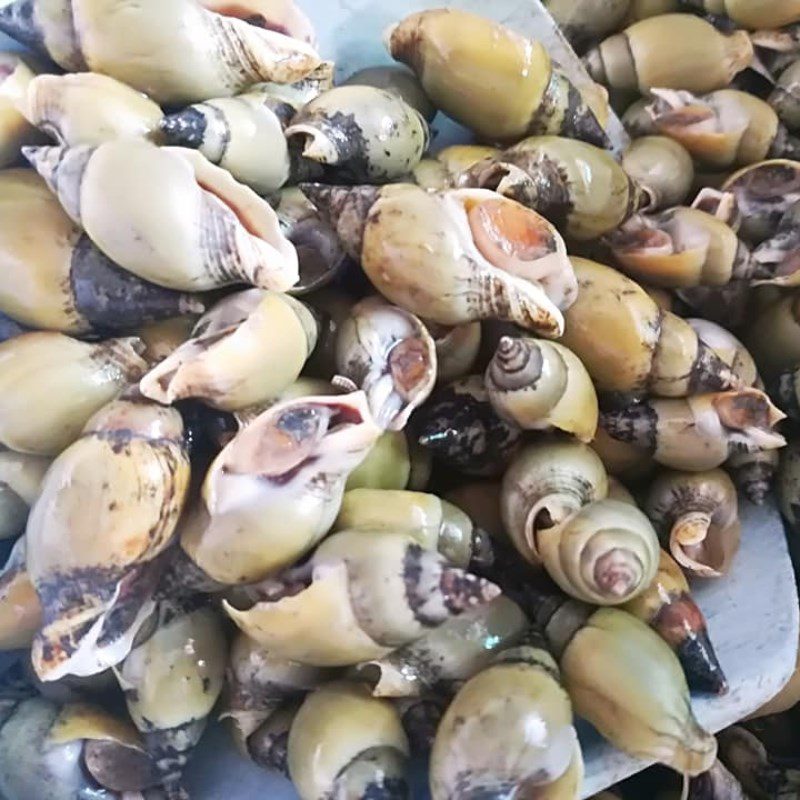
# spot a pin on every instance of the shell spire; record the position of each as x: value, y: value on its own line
x: 345, y: 209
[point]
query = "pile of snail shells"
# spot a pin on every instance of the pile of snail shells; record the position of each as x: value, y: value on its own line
x: 432, y: 430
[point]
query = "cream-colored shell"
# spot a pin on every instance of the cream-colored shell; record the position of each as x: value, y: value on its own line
x: 43, y: 410
x: 176, y: 675
x: 419, y: 252
x: 728, y: 348
x: 333, y: 728
x: 168, y: 215
x: 87, y: 108
x: 15, y: 129
x: 20, y: 478
x: 176, y: 51
x: 20, y: 608
x: 247, y: 525
x: 551, y: 480
x: 626, y: 681
x: 237, y: 362
x: 662, y: 167
x: 318, y: 626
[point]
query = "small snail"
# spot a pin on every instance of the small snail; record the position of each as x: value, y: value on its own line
x: 43, y: 410
x: 20, y: 608
x: 701, y: 432
x: 21, y: 477
x: 668, y: 608
x: 490, y: 78
x: 662, y: 167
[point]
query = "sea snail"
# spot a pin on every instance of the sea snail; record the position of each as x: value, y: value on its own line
x: 433, y: 522
x: 246, y: 350
x: 345, y: 743
x: 43, y: 410
x: 668, y: 608
x: 389, y: 353
x: 444, y: 657
x: 485, y: 747
x: 724, y: 129
x: 399, y: 80
x: 168, y: 215
x: 192, y: 53
x: 577, y: 186
x: 773, y: 337
x: 785, y: 97
x: 755, y: 16
x: 20, y: 608
x: 15, y: 129
x: 362, y: 594
x: 459, y: 426
x: 641, y: 348
x: 361, y: 134
x: 662, y: 167
x: 625, y: 680
x: 275, y: 489
x: 672, y: 51
x: 700, y: 432
x: 454, y: 256
x: 107, y: 507
x: 540, y: 385
x: 52, y: 276
x: 171, y: 682
x: 21, y: 476
x: 64, y: 752
x: 491, y: 79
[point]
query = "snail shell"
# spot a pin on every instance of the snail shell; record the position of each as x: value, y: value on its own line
x: 387, y: 352
x: 346, y: 127
x: 588, y: 20
x: 345, y: 743
x: 87, y: 108
x: 107, y: 507
x: 445, y: 170
x: 433, y: 522
x: 673, y: 51
x: 171, y: 683
x: 15, y: 129
x: 243, y: 134
x: 457, y: 349
x: 484, y: 748
x: 20, y: 609
x: 640, y: 705
x: 697, y: 515
x: 668, y: 608
x: 754, y: 473
x: 653, y: 350
x: 490, y: 78
x: 460, y: 427
x: 764, y: 14
x: 701, y: 432
x: 60, y: 753
x: 729, y: 349
x: 605, y: 554
x: 400, y: 81
x: 275, y: 489
x: 544, y: 486
x: 268, y: 744
x: 578, y: 187
x: 723, y: 129
x: 370, y: 592
x: 21, y: 476
x: 682, y: 247
x: 168, y: 215
x: 454, y: 256
x: 662, y: 167
x: 785, y: 97
x: 247, y: 349
x: 165, y: 336
x: 540, y: 385
x: 454, y: 652
x: 773, y: 336
x: 58, y: 280
x: 43, y: 410
x: 763, y: 193
x: 420, y: 717
x: 387, y: 465
x: 778, y: 257
x: 284, y: 16
x: 623, y: 460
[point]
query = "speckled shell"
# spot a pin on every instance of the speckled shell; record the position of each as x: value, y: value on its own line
x: 346, y: 128
x: 491, y: 79
x: 344, y: 743
x: 149, y: 210
x: 387, y: 352
x: 43, y: 410
x: 107, y: 507
x: 729, y: 349
x: 460, y: 427
x: 275, y: 489
x: 246, y: 350
x: 400, y: 81
x: 87, y: 108
x: 578, y: 187
x: 484, y: 745
x: 785, y: 97
x: 52, y: 277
